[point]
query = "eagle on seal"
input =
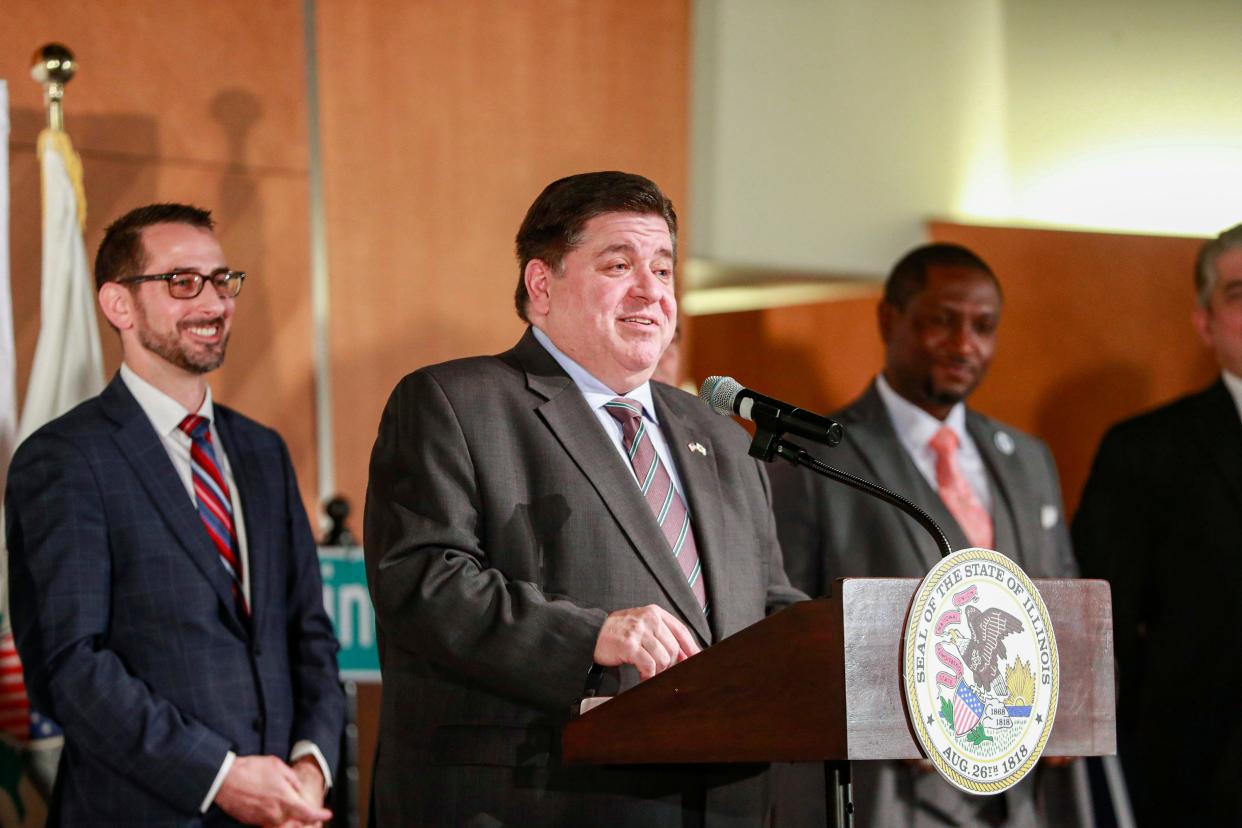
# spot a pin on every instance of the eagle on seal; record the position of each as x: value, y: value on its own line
x: 985, y: 647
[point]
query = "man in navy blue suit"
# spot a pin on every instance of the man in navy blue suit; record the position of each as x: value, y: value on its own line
x: 166, y: 596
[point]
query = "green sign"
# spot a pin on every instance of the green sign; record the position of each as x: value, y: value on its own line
x: 348, y: 603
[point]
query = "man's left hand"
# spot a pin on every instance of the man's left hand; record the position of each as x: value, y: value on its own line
x: 310, y: 784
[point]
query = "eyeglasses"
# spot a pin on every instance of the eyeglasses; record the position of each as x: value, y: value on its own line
x: 188, y: 284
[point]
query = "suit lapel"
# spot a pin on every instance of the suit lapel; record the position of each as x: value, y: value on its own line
x: 140, y: 446
x: 1005, y: 470
x: 253, y: 494
x: 870, y: 430
x: 1219, y: 435
x: 576, y: 428
x: 704, y: 499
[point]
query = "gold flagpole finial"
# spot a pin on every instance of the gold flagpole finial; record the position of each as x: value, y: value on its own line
x: 53, y: 66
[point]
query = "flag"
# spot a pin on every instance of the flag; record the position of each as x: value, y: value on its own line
x: 967, y: 709
x: 68, y: 362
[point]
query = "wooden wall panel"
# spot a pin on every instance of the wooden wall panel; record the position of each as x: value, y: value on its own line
x: 817, y: 356
x: 186, y: 101
x: 1095, y: 327
x: 442, y: 122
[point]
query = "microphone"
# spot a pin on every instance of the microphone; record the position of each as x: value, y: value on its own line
x: 726, y: 396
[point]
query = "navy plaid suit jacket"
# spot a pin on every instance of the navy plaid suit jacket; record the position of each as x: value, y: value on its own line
x: 127, y: 628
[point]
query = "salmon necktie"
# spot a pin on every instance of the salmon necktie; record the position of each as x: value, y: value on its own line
x: 956, y: 493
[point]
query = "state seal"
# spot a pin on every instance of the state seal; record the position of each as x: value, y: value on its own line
x: 980, y: 669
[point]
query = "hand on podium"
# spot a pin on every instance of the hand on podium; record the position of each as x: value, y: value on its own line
x: 651, y: 638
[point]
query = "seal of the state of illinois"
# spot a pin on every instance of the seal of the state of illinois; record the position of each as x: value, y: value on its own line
x: 980, y: 668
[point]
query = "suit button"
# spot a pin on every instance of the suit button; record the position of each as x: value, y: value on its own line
x: 257, y: 724
x: 258, y: 651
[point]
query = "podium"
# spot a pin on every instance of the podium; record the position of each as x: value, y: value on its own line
x: 821, y: 680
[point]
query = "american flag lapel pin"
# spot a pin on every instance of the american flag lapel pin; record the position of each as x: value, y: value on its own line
x: 699, y: 447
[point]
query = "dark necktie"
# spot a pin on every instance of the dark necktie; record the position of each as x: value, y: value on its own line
x: 657, y: 488
x: 215, y: 506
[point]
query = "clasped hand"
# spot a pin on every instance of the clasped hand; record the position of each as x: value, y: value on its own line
x: 263, y: 790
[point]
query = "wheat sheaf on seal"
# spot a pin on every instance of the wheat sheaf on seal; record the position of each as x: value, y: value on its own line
x: 980, y: 669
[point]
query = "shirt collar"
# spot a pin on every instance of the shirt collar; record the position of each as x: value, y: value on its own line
x: 915, y: 426
x: 595, y: 391
x: 1234, y: 384
x: 163, y: 411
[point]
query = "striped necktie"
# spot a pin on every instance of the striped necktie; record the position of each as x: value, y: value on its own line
x: 215, y: 506
x: 657, y: 488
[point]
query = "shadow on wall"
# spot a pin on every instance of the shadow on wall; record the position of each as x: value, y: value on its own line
x: 240, y: 216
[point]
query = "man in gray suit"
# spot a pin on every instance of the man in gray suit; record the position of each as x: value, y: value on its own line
x: 985, y: 483
x: 547, y: 520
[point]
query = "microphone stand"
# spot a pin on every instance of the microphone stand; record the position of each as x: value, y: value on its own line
x: 768, y: 445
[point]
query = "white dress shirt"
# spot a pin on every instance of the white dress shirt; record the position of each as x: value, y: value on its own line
x: 1234, y: 384
x: 597, y: 394
x: 915, y: 429
x: 166, y: 415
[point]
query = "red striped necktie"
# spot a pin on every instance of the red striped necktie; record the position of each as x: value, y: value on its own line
x: 215, y: 506
x: 658, y: 490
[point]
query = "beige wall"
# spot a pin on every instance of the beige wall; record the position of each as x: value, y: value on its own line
x: 827, y: 132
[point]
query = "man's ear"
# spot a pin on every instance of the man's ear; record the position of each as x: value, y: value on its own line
x: 117, y: 303
x: 538, y: 278
x: 1202, y: 319
x: 885, y: 315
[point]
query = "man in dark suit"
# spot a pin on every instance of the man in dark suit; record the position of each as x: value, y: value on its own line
x: 165, y: 587
x: 546, y: 519
x: 985, y: 483
x: 1161, y: 519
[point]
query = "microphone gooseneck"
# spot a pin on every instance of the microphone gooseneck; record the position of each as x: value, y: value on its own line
x: 773, y: 418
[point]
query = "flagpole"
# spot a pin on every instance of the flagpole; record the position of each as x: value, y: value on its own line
x: 53, y: 66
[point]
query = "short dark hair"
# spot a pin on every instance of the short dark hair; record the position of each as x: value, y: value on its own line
x: 554, y: 222
x: 120, y: 253
x: 1205, y: 262
x: 909, y: 276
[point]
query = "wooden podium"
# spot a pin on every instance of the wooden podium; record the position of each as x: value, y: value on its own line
x: 822, y: 680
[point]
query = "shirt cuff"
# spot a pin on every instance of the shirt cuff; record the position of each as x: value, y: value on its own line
x: 225, y: 767
x: 305, y: 747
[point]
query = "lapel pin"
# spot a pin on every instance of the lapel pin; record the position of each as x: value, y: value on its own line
x: 1003, y: 442
x: 699, y: 447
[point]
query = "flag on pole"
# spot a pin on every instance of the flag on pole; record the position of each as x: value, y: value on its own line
x: 68, y: 362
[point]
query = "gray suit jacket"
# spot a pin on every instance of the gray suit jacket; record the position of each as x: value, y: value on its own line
x: 829, y: 531
x: 502, y: 527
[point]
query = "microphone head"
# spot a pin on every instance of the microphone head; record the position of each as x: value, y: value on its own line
x: 720, y: 393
